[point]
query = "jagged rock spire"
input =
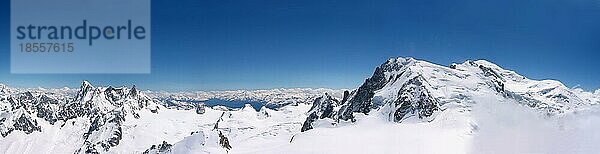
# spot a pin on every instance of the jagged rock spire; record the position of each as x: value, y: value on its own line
x: 133, y: 92
x: 84, y: 89
x: 3, y: 88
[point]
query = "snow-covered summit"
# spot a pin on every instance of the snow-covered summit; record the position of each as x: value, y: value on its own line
x: 418, y: 88
x: 464, y: 99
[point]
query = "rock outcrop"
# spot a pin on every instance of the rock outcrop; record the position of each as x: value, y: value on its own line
x: 323, y: 107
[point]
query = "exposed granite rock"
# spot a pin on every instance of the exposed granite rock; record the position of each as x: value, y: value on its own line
x: 361, y: 102
x: 415, y: 99
x: 323, y: 107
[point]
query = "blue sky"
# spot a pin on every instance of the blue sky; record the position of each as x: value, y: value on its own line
x: 226, y: 44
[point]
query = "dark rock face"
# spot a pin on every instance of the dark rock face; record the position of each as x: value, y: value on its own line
x: 489, y: 72
x: 453, y: 66
x: 26, y: 124
x: 415, y: 99
x: 164, y: 146
x: 6, y: 131
x: 154, y: 110
x: 111, y: 122
x: 46, y: 109
x: 200, y: 109
x: 361, y: 102
x: 224, y: 141
x: 345, y: 97
x: 161, y: 148
x: 497, y: 82
x: 133, y: 93
x: 323, y: 107
x: 22, y: 121
x: 23, y: 106
x: 106, y: 119
x: 308, y: 122
x: 3, y: 89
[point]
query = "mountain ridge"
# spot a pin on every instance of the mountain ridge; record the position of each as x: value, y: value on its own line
x: 411, y: 87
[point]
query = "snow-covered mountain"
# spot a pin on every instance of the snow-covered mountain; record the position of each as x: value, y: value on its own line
x: 406, y: 106
x: 409, y: 89
x: 125, y: 120
x: 94, y: 116
x: 421, y: 97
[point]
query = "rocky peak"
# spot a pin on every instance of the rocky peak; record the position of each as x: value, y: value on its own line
x: 415, y: 99
x: 345, y: 97
x: 362, y: 99
x: 361, y: 102
x: 104, y: 108
x: 396, y: 64
x: 3, y: 89
x: 323, y: 107
x: 85, y: 89
x: 133, y: 93
x: 19, y: 120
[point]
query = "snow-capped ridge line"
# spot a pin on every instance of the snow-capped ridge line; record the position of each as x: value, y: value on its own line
x: 394, y: 82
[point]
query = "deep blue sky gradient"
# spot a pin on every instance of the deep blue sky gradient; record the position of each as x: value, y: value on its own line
x: 226, y: 44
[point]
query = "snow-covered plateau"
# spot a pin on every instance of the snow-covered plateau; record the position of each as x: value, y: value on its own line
x: 406, y: 106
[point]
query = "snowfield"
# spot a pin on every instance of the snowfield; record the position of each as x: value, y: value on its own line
x: 509, y: 128
x: 407, y: 106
